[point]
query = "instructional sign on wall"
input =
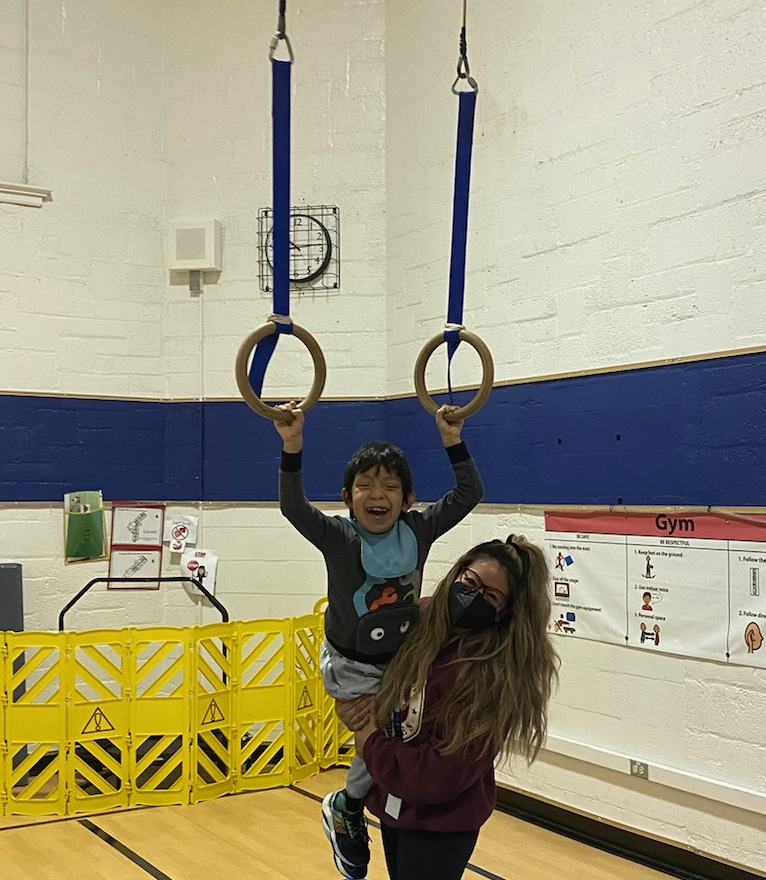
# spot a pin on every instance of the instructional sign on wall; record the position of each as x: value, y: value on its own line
x: 180, y: 530
x: 201, y: 565
x: 128, y: 563
x: 136, y: 545
x: 135, y: 525
x: 690, y: 585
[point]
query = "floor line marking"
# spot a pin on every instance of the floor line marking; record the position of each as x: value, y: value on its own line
x: 125, y: 850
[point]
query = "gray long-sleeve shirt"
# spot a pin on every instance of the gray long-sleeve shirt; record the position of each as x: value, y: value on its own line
x: 367, y: 618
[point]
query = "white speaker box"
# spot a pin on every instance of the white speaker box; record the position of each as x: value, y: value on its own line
x: 195, y: 245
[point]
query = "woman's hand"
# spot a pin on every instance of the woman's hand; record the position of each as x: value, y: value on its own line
x: 360, y: 736
x: 356, y: 714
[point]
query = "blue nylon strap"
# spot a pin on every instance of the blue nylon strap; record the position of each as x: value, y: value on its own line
x: 453, y: 340
x: 466, y: 113
x: 280, y: 156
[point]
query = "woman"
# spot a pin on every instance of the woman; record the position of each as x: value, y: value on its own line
x: 471, y: 682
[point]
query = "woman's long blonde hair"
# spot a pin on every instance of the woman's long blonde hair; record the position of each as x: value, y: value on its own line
x: 505, y: 672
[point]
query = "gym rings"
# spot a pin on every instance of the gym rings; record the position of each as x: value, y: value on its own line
x: 243, y: 381
x: 320, y: 373
x: 487, y: 379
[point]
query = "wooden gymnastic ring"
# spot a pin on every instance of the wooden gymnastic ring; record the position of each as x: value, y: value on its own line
x: 243, y: 380
x: 487, y: 380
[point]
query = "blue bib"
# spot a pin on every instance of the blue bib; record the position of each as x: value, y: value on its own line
x: 391, y: 554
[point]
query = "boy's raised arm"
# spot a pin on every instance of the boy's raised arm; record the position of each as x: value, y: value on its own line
x: 324, y: 532
x: 468, y: 491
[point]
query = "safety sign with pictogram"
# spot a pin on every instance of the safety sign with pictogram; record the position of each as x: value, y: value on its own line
x: 98, y: 723
x: 305, y: 701
x: 213, y: 713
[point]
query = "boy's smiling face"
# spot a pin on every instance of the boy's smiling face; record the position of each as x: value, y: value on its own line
x: 376, y: 499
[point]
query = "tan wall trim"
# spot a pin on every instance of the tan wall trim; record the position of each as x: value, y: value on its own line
x: 526, y: 380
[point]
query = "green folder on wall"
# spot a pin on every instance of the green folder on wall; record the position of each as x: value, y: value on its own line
x: 84, y: 526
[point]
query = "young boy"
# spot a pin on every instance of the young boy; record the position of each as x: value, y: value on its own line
x: 374, y: 560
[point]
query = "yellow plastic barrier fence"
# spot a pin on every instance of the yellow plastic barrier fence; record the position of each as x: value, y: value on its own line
x: 101, y: 719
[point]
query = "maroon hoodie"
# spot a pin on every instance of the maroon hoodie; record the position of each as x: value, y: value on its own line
x: 453, y: 792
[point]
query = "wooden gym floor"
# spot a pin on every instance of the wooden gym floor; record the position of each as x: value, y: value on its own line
x: 266, y: 835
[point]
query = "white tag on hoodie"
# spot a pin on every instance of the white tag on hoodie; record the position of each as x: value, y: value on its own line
x: 393, y: 806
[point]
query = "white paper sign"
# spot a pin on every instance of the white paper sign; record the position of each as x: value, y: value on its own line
x: 747, y: 586
x: 136, y: 526
x: 180, y: 530
x: 202, y: 565
x: 692, y: 585
x: 587, y: 601
x: 126, y: 563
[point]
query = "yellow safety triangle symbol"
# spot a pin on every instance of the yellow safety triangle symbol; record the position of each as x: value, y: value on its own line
x: 305, y: 701
x: 213, y: 713
x: 98, y: 723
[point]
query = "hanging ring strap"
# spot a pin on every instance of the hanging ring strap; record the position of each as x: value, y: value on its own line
x: 253, y: 400
x: 280, y: 161
x: 454, y: 331
x: 487, y: 380
x: 280, y: 112
x: 265, y: 338
x: 463, y: 151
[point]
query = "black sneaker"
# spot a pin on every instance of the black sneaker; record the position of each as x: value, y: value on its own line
x: 347, y: 832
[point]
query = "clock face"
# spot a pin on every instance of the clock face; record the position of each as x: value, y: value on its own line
x: 310, y: 248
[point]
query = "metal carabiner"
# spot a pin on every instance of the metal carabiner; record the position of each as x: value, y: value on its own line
x: 280, y: 35
x: 464, y: 72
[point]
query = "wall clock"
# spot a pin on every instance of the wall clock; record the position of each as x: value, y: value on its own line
x: 314, y: 259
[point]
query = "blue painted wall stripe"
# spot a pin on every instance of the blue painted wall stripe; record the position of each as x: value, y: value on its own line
x: 692, y: 433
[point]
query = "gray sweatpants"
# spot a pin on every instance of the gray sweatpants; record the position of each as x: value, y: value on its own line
x: 346, y: 679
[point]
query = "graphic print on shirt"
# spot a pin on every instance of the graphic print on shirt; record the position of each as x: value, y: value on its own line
x: 387, y: 609
x: 376, y: 592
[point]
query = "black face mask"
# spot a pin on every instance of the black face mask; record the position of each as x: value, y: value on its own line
x: 469, y: 609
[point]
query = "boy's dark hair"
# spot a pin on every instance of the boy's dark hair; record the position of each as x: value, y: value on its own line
x: 379, y: 453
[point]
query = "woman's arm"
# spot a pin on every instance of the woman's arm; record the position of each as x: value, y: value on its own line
x: 417, y: 772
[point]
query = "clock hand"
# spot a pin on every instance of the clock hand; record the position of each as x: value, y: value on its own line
x: 296, y: 246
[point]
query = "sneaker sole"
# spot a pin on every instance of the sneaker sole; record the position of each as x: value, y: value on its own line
x: 329, y: 830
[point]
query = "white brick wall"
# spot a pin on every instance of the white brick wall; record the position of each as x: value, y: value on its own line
x: 82, y: 280
x: 618, y: 214
x: 618, y: 169
x: 219, y: 142
x: 12, y: 91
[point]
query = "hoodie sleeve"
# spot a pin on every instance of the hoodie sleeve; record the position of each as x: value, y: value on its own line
x: 418, y: 774
x: 324, y: 532
x: 449, y: 510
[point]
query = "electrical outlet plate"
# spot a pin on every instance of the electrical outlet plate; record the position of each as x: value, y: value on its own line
x: 639, y: 768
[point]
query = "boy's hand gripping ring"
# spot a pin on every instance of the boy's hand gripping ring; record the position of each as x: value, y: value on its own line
x: 487, y: 379
x: 243, y: 381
